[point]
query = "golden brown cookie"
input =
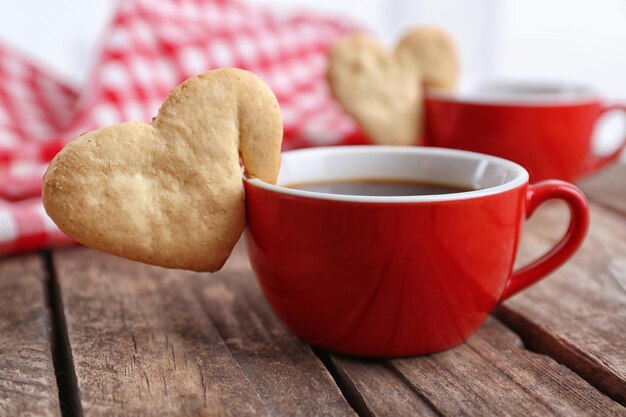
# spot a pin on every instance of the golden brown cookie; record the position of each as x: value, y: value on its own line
x: 170, y: 193
x: 435, y: 53
x: 378, y: 88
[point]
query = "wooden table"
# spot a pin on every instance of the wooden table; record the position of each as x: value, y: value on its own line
x: 83, y: 333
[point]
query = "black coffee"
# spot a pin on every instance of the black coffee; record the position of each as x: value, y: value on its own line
x: 380, y: 187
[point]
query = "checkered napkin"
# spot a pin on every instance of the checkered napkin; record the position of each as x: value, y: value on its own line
x: 150, y: 47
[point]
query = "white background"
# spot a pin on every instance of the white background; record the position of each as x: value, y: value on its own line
x: 583, y: 40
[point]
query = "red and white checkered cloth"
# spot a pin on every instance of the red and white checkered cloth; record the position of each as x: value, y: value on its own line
x: 150, y: 47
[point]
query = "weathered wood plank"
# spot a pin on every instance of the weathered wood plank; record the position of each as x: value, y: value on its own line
x: 27, y: 382
x: 148, y: 341
x: 578, y: 314
x: 608, y: 187
x: 492, y: 374
x: 284, y: 371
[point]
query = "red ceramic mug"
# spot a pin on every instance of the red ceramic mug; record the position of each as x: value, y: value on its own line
x: 396, y: 276
x: 545, y: 127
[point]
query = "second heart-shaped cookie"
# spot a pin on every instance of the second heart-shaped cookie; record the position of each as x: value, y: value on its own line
x: 170, y: 193
x: 379, y: 88
x: 382, y: 89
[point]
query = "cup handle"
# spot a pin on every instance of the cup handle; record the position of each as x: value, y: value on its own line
x: 579, y: 224
x: 593, y: 162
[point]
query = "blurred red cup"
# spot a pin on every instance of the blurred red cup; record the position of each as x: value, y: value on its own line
x: 396, y: 276
x: 545, y: 127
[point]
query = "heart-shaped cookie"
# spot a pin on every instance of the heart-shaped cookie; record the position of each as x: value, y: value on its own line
x: 170, y: 193
x: 380, y: 89
x: 434, y: 51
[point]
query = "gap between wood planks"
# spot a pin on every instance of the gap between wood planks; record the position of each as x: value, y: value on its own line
x: 69, y: 398
x: 355, y: 399
x: 349, y: 392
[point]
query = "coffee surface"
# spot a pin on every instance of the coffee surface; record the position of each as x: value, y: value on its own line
x: 380, y: 187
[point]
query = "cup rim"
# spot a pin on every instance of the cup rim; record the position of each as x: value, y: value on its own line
x: 586, y: 94
x: 520, y: 178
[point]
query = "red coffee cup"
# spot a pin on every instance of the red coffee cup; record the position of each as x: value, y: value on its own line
x: 545, y: 127
x: 397, y: 276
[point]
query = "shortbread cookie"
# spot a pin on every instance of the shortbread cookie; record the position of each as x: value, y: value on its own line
x: 381, y: 90
x: 170, y: 193
x: 435, y: 53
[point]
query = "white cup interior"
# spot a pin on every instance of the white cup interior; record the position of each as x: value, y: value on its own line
x: 523, y: 92
x: 483, y: 173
